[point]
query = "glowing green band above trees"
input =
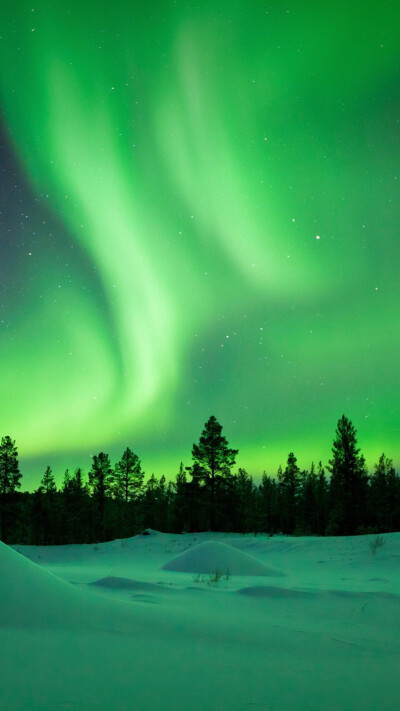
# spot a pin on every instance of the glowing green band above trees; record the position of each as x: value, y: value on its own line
x: 222, y: 186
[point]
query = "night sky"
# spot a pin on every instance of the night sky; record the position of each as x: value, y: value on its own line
x: 199, y: 214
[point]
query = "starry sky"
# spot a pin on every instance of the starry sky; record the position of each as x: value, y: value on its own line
x: 199, y: 214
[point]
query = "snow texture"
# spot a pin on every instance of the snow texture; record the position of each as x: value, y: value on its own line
x: 110, y: 626
x: 213, y: 557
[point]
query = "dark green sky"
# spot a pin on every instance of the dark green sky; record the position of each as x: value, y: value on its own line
x: 199, y: 215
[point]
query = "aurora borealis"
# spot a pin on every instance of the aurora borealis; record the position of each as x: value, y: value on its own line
x: 199, y: 215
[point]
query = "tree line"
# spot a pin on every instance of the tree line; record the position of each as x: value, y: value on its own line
x: 117, y: 502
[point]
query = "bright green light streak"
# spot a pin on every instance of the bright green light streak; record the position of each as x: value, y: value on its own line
x: 147, y: 127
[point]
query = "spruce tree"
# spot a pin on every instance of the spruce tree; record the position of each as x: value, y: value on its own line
x: 39, y: 522
x: 128, y: 476
x: 384, y: 496
x: 180, y: 502
x: 48, y: 483
x: 243, y: 518
x: 197, y: 511
x: 163, y: 505
x: 307, y: 505
x: 348, y: 483
x: 10, y: 477
x: 289, y: 488
x: 213, y: 460
x: 127, y: 484
x: 149, y: 500
x: 76, y: 508
x: 322, y: 501
x: 100, y: 479
x: 268, y: 502
x: 47, y: 508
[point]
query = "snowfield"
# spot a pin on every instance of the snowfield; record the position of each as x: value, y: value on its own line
x: 202, y: 622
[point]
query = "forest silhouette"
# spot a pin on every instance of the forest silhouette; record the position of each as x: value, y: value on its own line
x: 116, y: 501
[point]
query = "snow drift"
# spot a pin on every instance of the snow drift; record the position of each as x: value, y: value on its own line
x: 213, y: 557
x: 329, y: 638
x: 30, y: 596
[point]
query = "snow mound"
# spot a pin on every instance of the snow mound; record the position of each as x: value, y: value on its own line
x: 212, y: 557
x: 33, y: 598
x: 30, y: 596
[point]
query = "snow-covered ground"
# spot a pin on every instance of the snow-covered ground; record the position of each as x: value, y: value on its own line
x: 201, y: 622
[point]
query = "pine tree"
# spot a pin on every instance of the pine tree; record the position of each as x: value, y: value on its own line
x: 348, y: 484
x: 128, y: 476
x: 384, y: 496
x: 243, y: 520
x: 77, y: 508
x: 149, y: 502
x: 214, y: 460
x: 268, y: 501
x: 127, y: 484
x: 39, y: 523
x: 68, y: 509
x: 197, y: 511
x: 47, y: 509
x: 169, y: 507
x: 322, y: 502
x: 48, y: 483
x: 289, y: 486
x: 100, y: 479
x: 180, y: 501
x: 162, y: 505
x: 66, y: 480
x: 10, y: 477
x: 307, y: 504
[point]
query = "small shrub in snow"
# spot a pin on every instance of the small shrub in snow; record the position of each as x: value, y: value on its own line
x: 214, y: 577
x: 376, y: 543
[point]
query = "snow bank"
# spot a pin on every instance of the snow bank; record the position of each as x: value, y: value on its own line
x: 30, y: 596
x: 212, y: 557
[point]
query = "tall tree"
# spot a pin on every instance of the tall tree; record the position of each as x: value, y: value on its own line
x: 100, y: 479
x: 322, y: 501
x: 48, y: 483
x: 242, y: 519
x: 197, y: 512
x: 77, y: 508
x: 307, y: 505
x: 180, y: 501
x: 348, y: 483
x: 289, y: 489
x: 47, y: 513
x: 10, y: 477
x: 214, y: 460
x: 127, y: 485
x: 149, y: 500
x: 384, y: 496
x: 128, y: 476
x: 163, y: 505
x: 269, y: 505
